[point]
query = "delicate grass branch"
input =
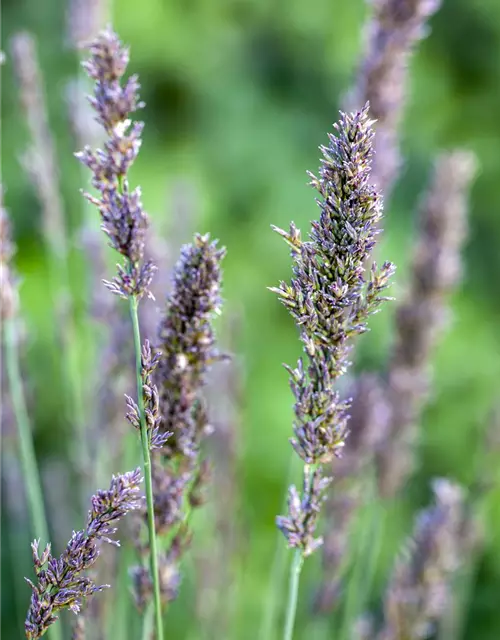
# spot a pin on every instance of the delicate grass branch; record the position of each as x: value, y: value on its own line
x: 330, y: 299
x: 187, y: 351
x: 62, y: 583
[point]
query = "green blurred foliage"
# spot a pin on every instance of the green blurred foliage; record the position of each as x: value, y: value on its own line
x: 239, y: 95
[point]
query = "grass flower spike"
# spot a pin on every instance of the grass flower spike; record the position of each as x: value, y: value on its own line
x: 123, y: 219
x: 187, y: 343
x: 187, y: 350
x: 330, y: 300
x: 125, y: 222
x: 61, y: 582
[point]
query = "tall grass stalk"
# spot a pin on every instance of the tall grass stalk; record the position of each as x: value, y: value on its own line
x: 27, y: 455
x: 330, y: 298
x: 293, y: 593
x: 125, y: 223
x: 147, y: 623
x: 146, y: 456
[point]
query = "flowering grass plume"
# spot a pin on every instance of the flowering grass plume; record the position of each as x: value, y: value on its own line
x: 385, y: 411
x: 111, y: 324
x: 392, y: 33
x: 125, y: 223
x: 122, y: 216
x: 187, y: 351
x: 330, y: 301
x: 423, y: 314
x: 419, y: 591
x: 61, y: 582
x: 187, y: 344
x: 150, y: 397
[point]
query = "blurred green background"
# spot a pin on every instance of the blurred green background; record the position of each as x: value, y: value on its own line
x: 239, y: 95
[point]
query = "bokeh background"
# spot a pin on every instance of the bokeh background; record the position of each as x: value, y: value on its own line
x: 239, y: 95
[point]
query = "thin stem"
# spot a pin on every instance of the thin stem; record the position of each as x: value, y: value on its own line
x: 147, y: 627
x: 147, y: 470
x: 27, y: 450
x: 293, y: 593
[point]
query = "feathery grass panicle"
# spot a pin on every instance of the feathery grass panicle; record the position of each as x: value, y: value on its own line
x: 422, y: 316
x: 330, y: 299
x: 125, y: 223
x: 392, y: 33
x: 108, y: 329
x: 157, y: 437
x: 61, y: 582
x: 187, y: 343
x: 110, y: 322
x: 123, y: 219
x: 419, y: 591
x: 187, y: 351
x: 385, y: 412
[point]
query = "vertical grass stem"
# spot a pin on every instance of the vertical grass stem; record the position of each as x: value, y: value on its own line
x: 293, y: 593
x: 27, y: 451
x: 147, y: 472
